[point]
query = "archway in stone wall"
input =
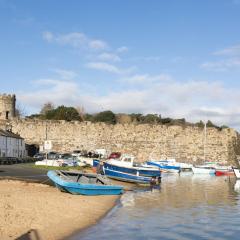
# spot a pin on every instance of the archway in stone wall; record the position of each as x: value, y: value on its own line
x: 32, y: 149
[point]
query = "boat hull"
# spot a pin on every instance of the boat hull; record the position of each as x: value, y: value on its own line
x: 224, y: 173
x: 237, y: 172
x: 127, y: 177
x: 138, y: 171
x: 83, y: 189
x: 201, y: 170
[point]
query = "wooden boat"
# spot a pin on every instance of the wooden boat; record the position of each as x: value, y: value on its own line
x: 203, y: 170
x: 83, y: 183
x: 237, y: 172
x: 124, y: 169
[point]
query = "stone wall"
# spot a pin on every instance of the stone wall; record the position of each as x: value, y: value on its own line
x: 143, y: 140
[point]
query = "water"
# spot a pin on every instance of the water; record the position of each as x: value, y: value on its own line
x: 185, y: 207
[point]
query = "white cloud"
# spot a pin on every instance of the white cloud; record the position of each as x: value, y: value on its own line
x: 97, y: 44
x: 109, y: 57
x: 106, y: 67
x: 147, y: 59
x: 65, y: 74
x: 48, y: 36
x: 230, y: 51
x: 193, y: 100
x: 222, y: 65
x: 230, y: 60
x: 102, y: 66
x: 76, y: 40
x: 146, y: 78
x: 122, y: 49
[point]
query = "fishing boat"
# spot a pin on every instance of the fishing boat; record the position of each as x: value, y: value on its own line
x: 168, y: 165
x: 237, y: 172
x: 83, y: 183
x: 125, y: 169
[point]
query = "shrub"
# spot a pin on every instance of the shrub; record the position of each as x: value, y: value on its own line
x: 106, y: 116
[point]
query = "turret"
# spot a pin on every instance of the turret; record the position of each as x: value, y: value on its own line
x: 7, y: 106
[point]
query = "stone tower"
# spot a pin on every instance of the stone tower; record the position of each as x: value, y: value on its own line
x: 7, y: 106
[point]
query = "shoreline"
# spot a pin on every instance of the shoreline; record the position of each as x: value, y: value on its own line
x: 79, y: 231
x: 35, y: 208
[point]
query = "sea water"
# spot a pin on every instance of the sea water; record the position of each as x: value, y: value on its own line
x: 186, y: 206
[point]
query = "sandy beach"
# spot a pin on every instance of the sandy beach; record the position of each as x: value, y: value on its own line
x: 50, y: 213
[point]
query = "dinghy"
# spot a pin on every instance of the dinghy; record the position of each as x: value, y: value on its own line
x: 83, y: 183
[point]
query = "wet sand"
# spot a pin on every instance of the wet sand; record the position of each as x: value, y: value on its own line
x: 50, y: 213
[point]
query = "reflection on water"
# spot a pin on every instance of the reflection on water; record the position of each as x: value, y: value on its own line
x: 185, y: 207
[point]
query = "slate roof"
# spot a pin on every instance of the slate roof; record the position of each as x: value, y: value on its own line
x: 9, y: 134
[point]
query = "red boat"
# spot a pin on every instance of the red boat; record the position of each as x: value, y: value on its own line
x: 224, y: 173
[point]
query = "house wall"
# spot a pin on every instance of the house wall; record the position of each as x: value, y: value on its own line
x: 12, y: 147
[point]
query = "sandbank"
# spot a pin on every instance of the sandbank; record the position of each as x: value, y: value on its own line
x: 49, y: 213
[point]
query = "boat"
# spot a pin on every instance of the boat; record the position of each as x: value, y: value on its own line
x: 61, y: 162
x: 125, y: 169
x: 237, y: 172
x: 224, y: 172
x: 49, y: 162
x: 168, y: 165
x: 83, y: 183
x: 203, y: 169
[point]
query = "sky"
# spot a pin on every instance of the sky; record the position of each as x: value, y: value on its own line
x: 180, y: 59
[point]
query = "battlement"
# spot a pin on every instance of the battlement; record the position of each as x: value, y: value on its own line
x: 5, y: 96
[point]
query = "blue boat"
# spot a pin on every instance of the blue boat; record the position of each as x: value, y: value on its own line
x: 165, y: 166
x: 124, y: 169
x: 83, y: 183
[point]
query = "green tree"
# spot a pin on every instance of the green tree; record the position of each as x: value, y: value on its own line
x: 136, y: 117
x: 151, y: 118
x: 63, y: 113
x: 200, y: 124
x: 165, y: 120
x: 106, y: 116
x: 48, y: 106
x: 88, y: 117
x: 210, y: 124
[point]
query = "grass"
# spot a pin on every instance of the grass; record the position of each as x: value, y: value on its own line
x: 58, y: 168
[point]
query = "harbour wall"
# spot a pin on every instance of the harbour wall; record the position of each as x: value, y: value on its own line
x: 185, y: 143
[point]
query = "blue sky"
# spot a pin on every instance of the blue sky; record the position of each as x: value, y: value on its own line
x: 176, y: 58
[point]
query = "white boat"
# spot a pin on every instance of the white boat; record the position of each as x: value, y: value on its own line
x: 237, y: 172
x: 203, y: 169
x: 49, y: 162
x: 57, y: 162
x: 85, y: 160
x: 170, y: 165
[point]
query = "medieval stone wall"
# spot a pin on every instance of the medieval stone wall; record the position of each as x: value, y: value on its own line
x: 142, y: 140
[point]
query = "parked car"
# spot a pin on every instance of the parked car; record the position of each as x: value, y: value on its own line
x: 39, y: 156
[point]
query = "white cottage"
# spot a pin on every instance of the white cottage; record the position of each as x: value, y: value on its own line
x: 11, y: 145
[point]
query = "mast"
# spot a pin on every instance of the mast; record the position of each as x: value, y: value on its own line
x: 205, y: 141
